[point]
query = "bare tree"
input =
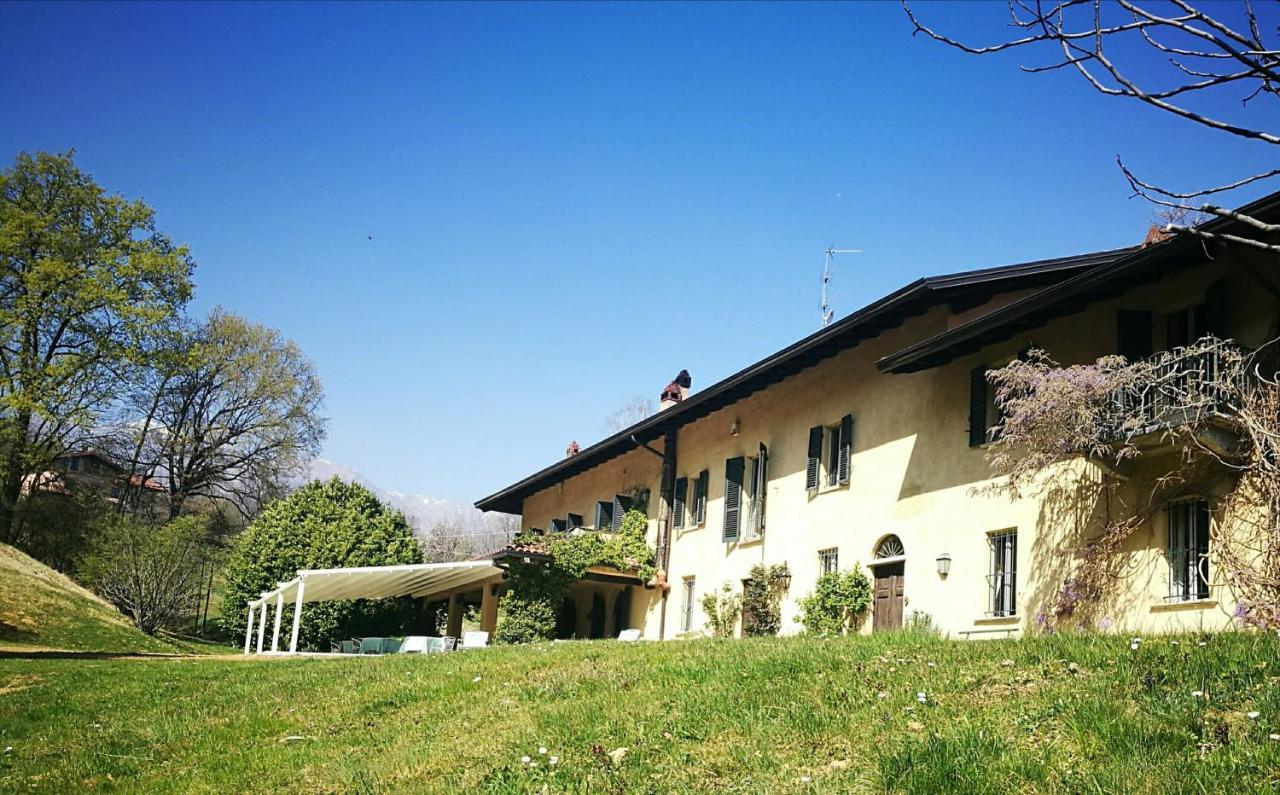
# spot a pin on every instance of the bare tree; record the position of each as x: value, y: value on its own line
x: 1183, y: 57
x: 628, y: 414
x: 236, y: 412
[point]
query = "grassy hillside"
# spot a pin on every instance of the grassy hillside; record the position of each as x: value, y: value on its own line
x: 42, y: 609
x: 779, y: 715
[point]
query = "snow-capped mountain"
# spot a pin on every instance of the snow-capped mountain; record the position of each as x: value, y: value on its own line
x: 422, y: 511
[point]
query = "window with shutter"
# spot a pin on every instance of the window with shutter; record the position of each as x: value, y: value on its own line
x: 978, y: 390
x: 846, y: 449
x: 733, y: 469
x: 575, y: 521
x: 700, y: 489
x: 815, y: 459
x: 678, y: 502
x: 621, y: 505
x: 559, y: 526
x: 604, y: 515
x: 760, y: 489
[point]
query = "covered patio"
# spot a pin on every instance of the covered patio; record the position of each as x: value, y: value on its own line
x: 454, y: 582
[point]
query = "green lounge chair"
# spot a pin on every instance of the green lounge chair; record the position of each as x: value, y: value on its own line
x: 371, y: 645
x: 347, y: 647
x: 390, y: 645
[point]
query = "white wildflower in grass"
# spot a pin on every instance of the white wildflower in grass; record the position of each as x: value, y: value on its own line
x: 533, y: 764
x: 1275, y: 736
x: 1197, y: 693
x: 805, y: 779
x: 542, y: 749
x: 882, y: 694
x: 1252, y: 715
x: 931, y: 665
x: 476, y: 679
x: 553, y: 761
x: 1202, y: 643
x: 1134, y: 645
x: 524, y: 760
x: 921, y: 697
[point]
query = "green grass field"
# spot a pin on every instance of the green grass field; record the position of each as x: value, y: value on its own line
x: 1083, y: 714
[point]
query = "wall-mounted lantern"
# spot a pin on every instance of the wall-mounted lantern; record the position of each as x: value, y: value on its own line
x: 944, y: 564
x: 735, y: 428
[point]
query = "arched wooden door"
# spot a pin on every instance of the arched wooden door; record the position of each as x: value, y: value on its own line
x: 888, y: 600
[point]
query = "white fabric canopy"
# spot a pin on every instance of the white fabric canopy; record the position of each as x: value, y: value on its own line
x: 379, y: 582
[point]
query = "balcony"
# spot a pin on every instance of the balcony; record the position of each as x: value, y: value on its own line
x: 1182, y: 386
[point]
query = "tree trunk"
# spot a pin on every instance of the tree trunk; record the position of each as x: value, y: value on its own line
x: 11, y: 486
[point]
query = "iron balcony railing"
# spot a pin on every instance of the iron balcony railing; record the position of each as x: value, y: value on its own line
x: 1184, y: 385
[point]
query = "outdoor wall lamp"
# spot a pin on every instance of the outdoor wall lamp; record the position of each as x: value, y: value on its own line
x: 735, y: 428
x: 944, y: 564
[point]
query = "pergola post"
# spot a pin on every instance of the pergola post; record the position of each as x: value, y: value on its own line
x: 489, y: 608
x: 454, y: 626
x: 275, y: 633
x: 248, y: 629
x: 297, y: 617
x: 262, y: 624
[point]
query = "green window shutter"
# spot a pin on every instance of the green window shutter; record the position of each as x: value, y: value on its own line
x: 621, y: 505
x: 978, y: 406
x: 678, y: 501
x: 846, y: 449
x: 815, y: 459
x: 733, y: 469
x: 700, y: 497
x: 762, y: 485
x: 575, y: 521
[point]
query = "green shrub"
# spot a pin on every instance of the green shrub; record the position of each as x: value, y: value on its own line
x: 722, y: 609
x: 322, y: 525
x: 524, y: 620
x: 838, y: 603
x: 762, y: 600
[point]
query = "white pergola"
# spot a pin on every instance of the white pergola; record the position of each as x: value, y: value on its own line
x: 365, y: 582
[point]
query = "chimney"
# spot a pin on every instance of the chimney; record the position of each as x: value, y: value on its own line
x: 1156, y: 235
x: 572, y: 450
x: 676, y: 391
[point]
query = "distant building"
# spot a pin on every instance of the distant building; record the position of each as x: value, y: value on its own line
x: 91, y: 472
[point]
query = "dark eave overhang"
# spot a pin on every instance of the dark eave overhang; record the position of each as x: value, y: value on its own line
x: 1107, y: 280
x: 960, y: 290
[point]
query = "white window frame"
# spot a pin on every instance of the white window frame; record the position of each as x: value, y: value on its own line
x: 687, y: 591
x: 828, y: 560
x: 1002, y: 573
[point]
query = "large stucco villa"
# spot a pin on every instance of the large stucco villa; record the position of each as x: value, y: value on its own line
x: 863, y: 445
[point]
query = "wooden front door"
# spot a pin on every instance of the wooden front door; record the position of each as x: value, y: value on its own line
x: 887, y: 610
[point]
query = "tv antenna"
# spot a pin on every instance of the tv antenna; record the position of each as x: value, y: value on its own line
x: 827, y: 311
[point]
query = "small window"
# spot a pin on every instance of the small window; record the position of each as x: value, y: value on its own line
x: 686, y: 604
x: 984, y: 412
x: 1002, y: 573
x: 700, y: 488
x: 755, y: 492
x: 574, y: 520
x: 74, y: 464
x: 828, y: 561
x: 559, y: 526
x: 830, y: 449
x: 1188, y: 551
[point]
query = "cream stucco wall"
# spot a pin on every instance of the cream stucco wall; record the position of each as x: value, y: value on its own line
x: 913, y: 475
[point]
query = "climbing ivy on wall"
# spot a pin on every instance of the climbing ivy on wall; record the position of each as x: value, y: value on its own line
x: 535, y: 589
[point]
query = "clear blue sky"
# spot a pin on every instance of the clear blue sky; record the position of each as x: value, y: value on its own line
x: 568, y: 203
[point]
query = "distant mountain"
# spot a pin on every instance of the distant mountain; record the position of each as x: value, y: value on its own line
x: 423, y: 512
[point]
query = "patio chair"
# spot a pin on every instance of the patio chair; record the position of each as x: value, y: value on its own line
x: 371, y: 645
x: 629, y: 635
x: 434, y: 646
x: 414, y: 644
x: 450, y: 643
x: 347, y: 646
x: 475, y: 640
x: 390, y: 645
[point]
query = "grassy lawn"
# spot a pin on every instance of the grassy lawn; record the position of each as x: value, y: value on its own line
x: 42, y: 609
x: 1052, y: 714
